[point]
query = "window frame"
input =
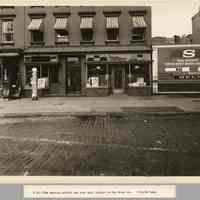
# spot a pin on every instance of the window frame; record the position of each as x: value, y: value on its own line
x: 40, y: 72
x: 106, y: 74
x: 61, y: 42
x: 139, y: 71
x: 117, y: 40
x: 91, y: 30
x: 3, y: 41
x: 32, y: 36
x: 142, y: 35
x: 144, y: 29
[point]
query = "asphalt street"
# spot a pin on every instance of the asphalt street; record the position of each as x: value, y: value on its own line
x: 102, y: 145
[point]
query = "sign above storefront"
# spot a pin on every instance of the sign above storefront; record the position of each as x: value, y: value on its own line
x: 118, y: 57
x: 41, y: 59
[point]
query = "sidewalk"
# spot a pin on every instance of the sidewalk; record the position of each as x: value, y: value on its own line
x: 48, y: 106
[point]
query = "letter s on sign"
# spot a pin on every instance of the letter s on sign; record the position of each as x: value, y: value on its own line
x: 189, y: 53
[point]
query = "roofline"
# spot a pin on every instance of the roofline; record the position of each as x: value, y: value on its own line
x: 175, y: 45
x: 195, y: 15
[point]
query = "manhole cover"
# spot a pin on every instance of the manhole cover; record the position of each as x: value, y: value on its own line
x: 151, y: 109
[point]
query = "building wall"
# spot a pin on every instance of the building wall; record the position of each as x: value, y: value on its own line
x: 22, y: 36
x: 125, y: 22
x: 196, y: 29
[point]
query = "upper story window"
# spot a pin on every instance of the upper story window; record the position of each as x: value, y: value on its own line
x: 86, y: 27
x: 36, y: 27
x: 61, y: 32
x: 139, y: 29
x: 7, y: 31
x: 112, y: 28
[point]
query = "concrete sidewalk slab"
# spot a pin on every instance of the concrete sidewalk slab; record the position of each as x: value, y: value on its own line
x: 47, y: 106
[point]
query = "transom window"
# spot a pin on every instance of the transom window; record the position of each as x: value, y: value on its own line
x: 7, y: 31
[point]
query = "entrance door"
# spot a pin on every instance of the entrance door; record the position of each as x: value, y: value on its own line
x: 73, y: 76
x: 118, y: 80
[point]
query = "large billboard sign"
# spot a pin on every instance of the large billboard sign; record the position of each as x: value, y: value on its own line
x: 179, y: 63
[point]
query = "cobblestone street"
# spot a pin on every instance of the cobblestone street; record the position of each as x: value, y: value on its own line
x: 111, y: 144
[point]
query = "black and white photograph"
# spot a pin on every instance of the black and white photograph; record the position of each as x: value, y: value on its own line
x: 100, y: 90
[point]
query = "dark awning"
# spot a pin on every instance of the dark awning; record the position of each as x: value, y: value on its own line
x: 112, y: 22
x: 138, y: 22
x: 36, y: 25
x: 60, y: 24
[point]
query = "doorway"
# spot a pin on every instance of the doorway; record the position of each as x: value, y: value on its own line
x: 118, y: 80
x: 73, y: 75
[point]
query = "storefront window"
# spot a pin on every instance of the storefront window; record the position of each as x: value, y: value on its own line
x: 43, y: 71
x: 138, y: 75
x: 53, y: 72
x: 97, y: 76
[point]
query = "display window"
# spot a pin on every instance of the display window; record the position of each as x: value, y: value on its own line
x: 138, y: 75
x: 49, y: 72
x: 97, y: 76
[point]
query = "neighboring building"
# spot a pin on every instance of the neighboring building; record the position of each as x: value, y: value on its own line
x: 89, y: 51
x: 176, y: 69
x: 184, y: 39
x: 196, y: 28
x: 11, y: 44
x: 159, y: 40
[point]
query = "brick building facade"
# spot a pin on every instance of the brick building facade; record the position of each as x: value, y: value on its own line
x: 87, y: 51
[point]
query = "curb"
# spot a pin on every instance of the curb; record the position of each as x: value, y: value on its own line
x: 74, y: 114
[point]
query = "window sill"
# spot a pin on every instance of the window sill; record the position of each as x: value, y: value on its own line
x: 100, y: 87
x: 37, y: 43
x: 87, y: 42
x: 61, y: 42
x: 138, y: 41
x: 112, y: 41
x: 7, y: 43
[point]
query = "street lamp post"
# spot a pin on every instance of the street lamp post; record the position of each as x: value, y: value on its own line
x: 34, y: 84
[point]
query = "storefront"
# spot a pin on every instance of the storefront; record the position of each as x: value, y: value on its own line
x: 10, y: 76
x: 48, y: 70
x: 176, y: 69
x: 81, y: 73
x: 118, y: 73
